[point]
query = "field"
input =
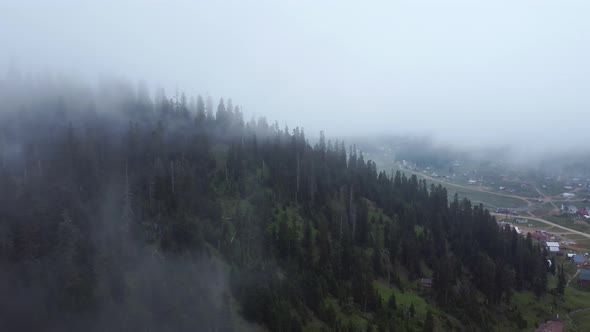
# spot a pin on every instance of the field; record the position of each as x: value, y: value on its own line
x: 405, y: 299
x: 490, y: 201
x: 568, y: 221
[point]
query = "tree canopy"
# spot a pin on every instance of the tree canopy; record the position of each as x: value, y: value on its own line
x: 161, y: 214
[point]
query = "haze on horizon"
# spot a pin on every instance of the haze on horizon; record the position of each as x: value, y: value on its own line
x: 468, y: 73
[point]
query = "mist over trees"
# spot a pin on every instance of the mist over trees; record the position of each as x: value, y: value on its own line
x: 119, y: 212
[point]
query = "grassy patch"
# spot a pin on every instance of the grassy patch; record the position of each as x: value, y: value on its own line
x: 489, y: 200
x: 538, y: 310
x: 404, y: 299
x: 569, y: 222
x: 581, y: 320
x: 418, y: 229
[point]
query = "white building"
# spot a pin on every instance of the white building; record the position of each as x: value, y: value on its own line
x: 552, y: 246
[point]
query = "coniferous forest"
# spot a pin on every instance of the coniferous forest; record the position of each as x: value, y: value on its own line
x: 120, y: 211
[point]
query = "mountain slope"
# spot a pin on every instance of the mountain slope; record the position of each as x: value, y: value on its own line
x: 127, y: 214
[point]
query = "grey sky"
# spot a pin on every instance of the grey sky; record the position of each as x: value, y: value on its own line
x: 465, y: 71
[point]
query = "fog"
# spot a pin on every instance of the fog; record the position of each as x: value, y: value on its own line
x: 469, y: 73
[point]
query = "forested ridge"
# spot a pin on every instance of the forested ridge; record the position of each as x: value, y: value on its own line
x: 128, y: 212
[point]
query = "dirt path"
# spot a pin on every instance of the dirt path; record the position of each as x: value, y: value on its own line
x: 578, y: 310
x: 546, y: 199
x: 569, y: 315
x: 572, y: 277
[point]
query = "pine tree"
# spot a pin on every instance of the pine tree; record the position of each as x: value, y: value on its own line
x: 561, y: 280
x: 429, y: 323
x: 201, y: 115
x: 391, y: 303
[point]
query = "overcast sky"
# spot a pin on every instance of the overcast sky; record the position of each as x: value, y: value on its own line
x: 468, y: 71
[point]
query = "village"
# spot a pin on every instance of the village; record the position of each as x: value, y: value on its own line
x: 555, y: 245
x: 555, y: 211
x: 553, y: 208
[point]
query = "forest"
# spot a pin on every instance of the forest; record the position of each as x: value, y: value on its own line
x: 120, y: 211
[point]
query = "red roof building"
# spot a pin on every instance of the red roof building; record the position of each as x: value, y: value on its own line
x: 551, y: 326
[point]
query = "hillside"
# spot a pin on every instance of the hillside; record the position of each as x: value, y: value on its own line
x: 121, y: 213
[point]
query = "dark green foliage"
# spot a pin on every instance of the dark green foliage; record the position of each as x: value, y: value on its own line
x: 131, y: 214
x: 429, y: 323
x: 561, y: 280
x: 391, y: 303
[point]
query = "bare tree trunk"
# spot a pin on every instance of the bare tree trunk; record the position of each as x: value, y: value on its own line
x: 225, y: 168
x: 172, y: 174
x: 352, y: 211
x: 298, y: 176
x: 151, y: 185
x: 2, y: 151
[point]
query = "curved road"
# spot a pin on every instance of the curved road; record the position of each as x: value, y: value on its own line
x: 524, y: 199
x: 586, y: 235
x: 472, y: 188
x: 530, y: 201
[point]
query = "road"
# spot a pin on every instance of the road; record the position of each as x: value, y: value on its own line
x: 545, y: 198
x: 473, y: 188
x: 529, y: 201
x: 569, y: 230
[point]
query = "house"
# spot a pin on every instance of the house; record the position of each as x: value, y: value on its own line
x: 551, y: 326
x: 583, y: 212
x: 426, y: 282
x: 584, y: 277
x: 539, y: 237
x: 472, y: 182
x: 552, y: 247
x: 502, y: 210
x: 568, y: 208
x: 521, y: 220
x: 578, y: 259
x: 568, y: 195
x: 570, y: 255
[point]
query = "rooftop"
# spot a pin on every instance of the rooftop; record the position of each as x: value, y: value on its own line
x: 551, y: 326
